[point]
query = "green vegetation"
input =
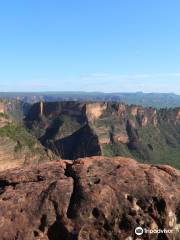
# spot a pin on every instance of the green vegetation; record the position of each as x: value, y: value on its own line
x: 162, y: 144
x: 3, y: 115
x: 21, y: 136
x: 68, y: 125
x: 18, y: 133
x: 116, y: 149
x: 169, y: 157
x: 155, y: 145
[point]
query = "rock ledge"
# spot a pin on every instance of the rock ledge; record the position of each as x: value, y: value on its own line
x: 93, y: 198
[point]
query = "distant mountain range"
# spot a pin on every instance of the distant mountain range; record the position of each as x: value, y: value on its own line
x: 158, y: 100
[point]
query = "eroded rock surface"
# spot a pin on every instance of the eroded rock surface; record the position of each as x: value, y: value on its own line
x: 93, y: 198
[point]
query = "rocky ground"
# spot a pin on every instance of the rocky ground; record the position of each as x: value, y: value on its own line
x: 93, y: 198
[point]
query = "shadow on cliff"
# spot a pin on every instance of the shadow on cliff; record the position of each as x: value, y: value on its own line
x: 82, y: 143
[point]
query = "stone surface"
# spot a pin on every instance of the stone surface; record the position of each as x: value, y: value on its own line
x: 92, y: 198
x: 2, y: 107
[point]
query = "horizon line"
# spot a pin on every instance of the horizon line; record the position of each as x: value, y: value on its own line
x: 89, y: 92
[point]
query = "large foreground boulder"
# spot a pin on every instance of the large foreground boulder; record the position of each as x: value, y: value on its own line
x: 91, y: 199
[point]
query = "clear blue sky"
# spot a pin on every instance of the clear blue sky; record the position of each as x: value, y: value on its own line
x: 91, y: 45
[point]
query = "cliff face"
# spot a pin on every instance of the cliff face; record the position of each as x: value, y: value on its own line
x: 114, y: 128
x: 93, y: 198
x: 15, y: 108
x: 2, y: 107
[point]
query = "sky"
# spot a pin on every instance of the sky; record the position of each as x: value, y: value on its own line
x: 90, y: 45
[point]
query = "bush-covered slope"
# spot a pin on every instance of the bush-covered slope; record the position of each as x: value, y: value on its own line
x: 17, y: 146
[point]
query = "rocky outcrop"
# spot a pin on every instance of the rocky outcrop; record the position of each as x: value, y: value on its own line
x: 121, y: 138
x: 93, y: 198
x: 2, y: 107
x: 14, y: 108
x: 4, y: 120
x: 95, y: 110
x: 118, y: 129
x: 54, y: 109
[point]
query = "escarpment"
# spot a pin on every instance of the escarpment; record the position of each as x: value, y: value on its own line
x: 79, y: 129
x: 2, y: 107
x: 93, y: 198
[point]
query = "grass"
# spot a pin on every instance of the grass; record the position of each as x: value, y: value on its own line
x: 115, y: 149
x: 171, y: 157
x: 18, y: 134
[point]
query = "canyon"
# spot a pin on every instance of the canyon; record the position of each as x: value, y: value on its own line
x: 80, y: 129
x: 76, y: 170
